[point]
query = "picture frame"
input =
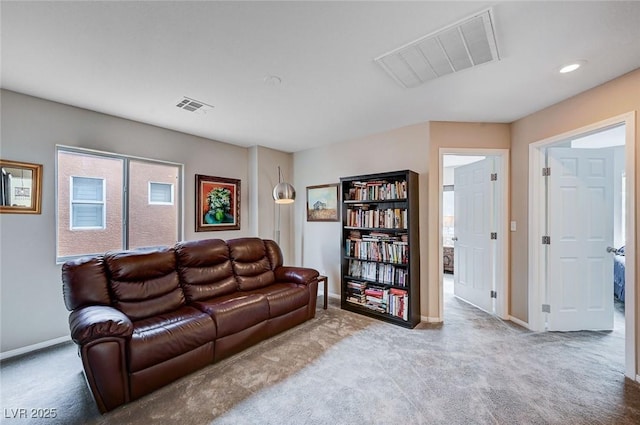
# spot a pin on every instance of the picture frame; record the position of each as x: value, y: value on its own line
x: 217, y: 203
x: 323, y: 202
x: 20, y: 187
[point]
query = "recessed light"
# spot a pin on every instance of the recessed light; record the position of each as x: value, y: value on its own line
x: 571, y: 67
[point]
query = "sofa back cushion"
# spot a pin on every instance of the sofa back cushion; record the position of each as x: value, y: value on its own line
x: 144, y: 283
x: 250, y: 263
x: 274, y: 253
x: 84, y: 282
x: 205, y: 269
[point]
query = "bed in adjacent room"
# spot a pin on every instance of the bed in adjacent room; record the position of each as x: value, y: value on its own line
x: 618, y: 274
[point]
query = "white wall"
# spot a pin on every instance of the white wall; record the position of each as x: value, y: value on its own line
x: 32, y: 307
x: 266, y: 210
x: 318, y: 244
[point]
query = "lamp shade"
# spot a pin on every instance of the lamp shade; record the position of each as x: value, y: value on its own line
x: 284, y: 193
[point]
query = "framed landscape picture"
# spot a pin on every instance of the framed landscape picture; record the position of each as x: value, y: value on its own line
x: 217, y: 203
x: 322, y: 202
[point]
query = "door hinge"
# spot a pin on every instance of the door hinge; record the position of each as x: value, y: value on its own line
x: 494, y: 235
x: 494, y: 294
x: 546, y: 171
x: 546, y: 240
x: 546, y: 308
x: 494, y: 177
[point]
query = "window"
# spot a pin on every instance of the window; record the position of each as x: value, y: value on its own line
x: 160, y: 193
x: 448, y: 220
x: 111, y: 202
x: 87, y: 203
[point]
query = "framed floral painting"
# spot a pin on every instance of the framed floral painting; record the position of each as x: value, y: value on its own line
x: 217, y: 203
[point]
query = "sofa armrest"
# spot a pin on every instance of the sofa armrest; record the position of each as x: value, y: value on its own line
x: 93, y: 322
x: 299, y: 275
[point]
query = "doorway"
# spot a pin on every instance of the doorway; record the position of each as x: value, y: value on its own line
x: 581, y: 202
x: 473, y: 238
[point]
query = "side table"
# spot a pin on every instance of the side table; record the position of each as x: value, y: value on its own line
x: 324, y: 279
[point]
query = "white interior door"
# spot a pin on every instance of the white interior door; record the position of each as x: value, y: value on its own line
x: 473, y: 253
x: 580, y: 225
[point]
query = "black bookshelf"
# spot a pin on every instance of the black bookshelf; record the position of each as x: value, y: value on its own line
x: 380, y: 261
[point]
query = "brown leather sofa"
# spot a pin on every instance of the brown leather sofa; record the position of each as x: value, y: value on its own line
x: 142, y: 319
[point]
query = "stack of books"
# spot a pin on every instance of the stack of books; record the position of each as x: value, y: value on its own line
x: 376, y: 299
x: 355, y: 292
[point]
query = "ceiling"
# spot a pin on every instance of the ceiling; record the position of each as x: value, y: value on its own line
x: 137, y: 60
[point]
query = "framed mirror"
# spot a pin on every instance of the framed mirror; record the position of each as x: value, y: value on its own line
x: 20, y: 187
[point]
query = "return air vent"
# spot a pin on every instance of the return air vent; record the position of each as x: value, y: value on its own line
x: 468, y: 43
x: 193, y: 105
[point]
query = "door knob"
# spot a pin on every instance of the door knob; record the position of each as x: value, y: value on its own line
x: 612, y: 249
x: 455, y: 238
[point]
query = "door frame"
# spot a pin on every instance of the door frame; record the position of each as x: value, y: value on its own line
x: 537, y: 258
x: 502, y: 248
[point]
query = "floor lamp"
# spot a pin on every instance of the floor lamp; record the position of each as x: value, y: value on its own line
x: 283, y: 193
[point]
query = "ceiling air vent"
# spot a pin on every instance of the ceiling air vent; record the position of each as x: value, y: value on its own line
x: 468, y: 43
x: 193, y: 105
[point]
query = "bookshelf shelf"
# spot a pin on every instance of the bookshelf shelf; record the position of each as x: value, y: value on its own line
x: 381, y: 262
x: 381, y: 229
x: 380, y: 269
x: 357, y: 308
x: 385, y: 201
x: 375, y: 282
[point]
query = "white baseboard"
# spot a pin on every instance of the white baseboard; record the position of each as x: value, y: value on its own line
x: 519, y: 322
x: 29, y: 348
x: 427, y: 319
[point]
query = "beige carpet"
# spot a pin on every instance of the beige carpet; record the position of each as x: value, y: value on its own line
x: 342, y: 368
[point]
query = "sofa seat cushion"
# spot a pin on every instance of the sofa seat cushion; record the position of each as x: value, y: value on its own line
x: 162, y: 337
x: 235, y: 312
x: 284, y: 297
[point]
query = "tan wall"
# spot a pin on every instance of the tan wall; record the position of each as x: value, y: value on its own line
x: 452, y: 135
x: 614, y: 98
x: 318, y: 244
x: 413, y: 147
